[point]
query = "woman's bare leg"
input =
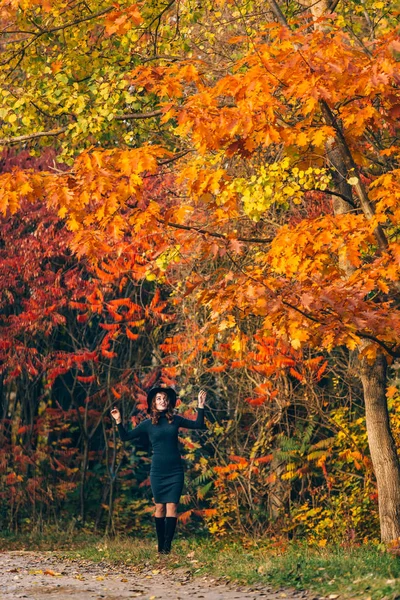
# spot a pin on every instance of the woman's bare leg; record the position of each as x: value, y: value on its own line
x: 172, y: 509
x: 160, y: 510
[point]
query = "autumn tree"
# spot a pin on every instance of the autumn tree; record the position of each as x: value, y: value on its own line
x: 302, y: 107
x: 62, y: 366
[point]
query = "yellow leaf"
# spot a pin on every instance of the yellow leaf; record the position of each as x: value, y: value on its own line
x: 237, y: 344
x: 369, y: 352
x: 25, y: 189
x: 288, y: 190
x: 297, y: 336
x: 352, y: 180
x: 319, y: 138
x: 352, y: 342
x: 227, y: 323
x: 383, y: 286
x: 181, y: 213
x: 73, y: 224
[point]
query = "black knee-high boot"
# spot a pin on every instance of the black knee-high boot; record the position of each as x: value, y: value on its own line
x: 160, y: 529
x: 170, y: 525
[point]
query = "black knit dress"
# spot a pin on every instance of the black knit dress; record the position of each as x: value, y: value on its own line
x: 166, y: 473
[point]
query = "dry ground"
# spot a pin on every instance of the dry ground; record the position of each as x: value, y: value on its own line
x: 46, y: 576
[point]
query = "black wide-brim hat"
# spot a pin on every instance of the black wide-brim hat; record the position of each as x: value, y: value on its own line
x: 171, y: 393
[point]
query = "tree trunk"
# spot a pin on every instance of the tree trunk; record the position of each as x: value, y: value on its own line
x: 373, y: 375
x: 110, y: 527
x: 278, y: 493
x: 374, y: 380
x: 382, y: 447
x: 82, y: 494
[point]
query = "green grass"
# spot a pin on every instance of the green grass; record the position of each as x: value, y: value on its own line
x: 53, y: 538
x: 354, y: 573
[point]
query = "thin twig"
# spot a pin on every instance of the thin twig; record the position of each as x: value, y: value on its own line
x: 147, y: 115
x: 215, y: 234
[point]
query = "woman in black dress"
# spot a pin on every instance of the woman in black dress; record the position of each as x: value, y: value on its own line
x: 166, y: 473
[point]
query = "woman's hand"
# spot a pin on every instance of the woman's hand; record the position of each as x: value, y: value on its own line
x: 202, y: 398
x: 116, y: 415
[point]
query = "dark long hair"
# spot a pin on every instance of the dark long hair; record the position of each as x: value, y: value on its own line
x: 156, y: 414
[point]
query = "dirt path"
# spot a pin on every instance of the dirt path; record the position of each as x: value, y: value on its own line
x: 44, y: 576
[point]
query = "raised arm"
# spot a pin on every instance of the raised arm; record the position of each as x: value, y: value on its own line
x: 128, y: 435
x: 134, y: 433
x: 199, y: 422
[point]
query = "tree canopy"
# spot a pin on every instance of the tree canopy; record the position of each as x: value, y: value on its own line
x: 240, y: 157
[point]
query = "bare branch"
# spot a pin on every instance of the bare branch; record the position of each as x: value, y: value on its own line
x: 333, y: 4
x: 36, y: 36
x: 55, y: 132
x: 82, y: 20
x: 214, y: 234
x: 148, y: 115
x: 386, y: 348
x: 31, y: 136
x: 174, y: 158
x: 333, y: 193
x: 280, y: 17
x: 351, y: 167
